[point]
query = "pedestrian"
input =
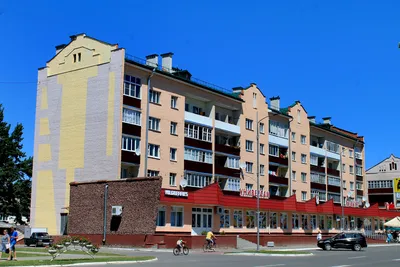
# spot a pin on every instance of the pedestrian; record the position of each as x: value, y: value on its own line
x: 319, y: 236
x: 13, y: 243
x: 5, y: 243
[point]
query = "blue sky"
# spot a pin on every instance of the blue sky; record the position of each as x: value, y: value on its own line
x: 339, y: 58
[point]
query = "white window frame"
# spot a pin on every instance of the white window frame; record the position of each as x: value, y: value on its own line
x: 351, y: 169
x: 304, y: 177
x: 262, y: 146
x: 225, y: 219
x: 154, y: 151
x: 173, y: 127
x: 172, y: 179
x: 174, y: 102
x: 198, y: 155
x: 249, y: 146
x: 295, y: 217
x: 135, y: 116
x: 232, y: 162
x: 303, y: 195
x: 152, y: 173
x: 303, y: 158
x: 130, y: 143
x: 278, y: 129
x: 233, y: 184
x: 249, y: 167
x: 262, y: 128
x: 198, y: 132
x: 294, y: 156
x: 176, y: 210
x: 313, y: 160
x: 154, y: 97
x: 249, y: 124
x: 132, y: 85
x: 197, y: 180
x: 303, y: 139
x: 273, y: 148
x: 262, y: 169
x: 293, y: 175
x: 173, y: 153
x: 293, y: 136
x: 154, y: 124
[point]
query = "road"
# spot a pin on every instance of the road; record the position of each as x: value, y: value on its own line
x: 377, y: 256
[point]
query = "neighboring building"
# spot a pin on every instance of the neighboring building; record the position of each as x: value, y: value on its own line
x: 380, y: 181
x: 91, y: 124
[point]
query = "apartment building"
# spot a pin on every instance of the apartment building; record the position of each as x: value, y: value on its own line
x: 381, y: 180
x: 95, y: 104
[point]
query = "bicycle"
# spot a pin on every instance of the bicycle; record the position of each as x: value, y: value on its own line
x: 208, y: 246
x: 177, y: 250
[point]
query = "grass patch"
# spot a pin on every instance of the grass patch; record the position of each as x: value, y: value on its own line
x: 24, y: 255
x: 76, y: 252
x: 71, y: 261
x: 279, y: 252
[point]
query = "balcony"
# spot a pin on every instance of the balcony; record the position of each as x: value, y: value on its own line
x: 220, y: 170
x: 198, y: 119
x: 358, y: 155
x: 131, y: 129
x: 317, y: 169
x: 278, y: 180
x: 278, y: 160
x: 334, y: 189
x: 131, y: 101
x: 360, y: 193
x: 232, y: 150
x: 277, y: 140
x: 318, y: 151
x: 227, y: 127
x: 198, y: 166
x: 198, y: 143
x: 317, y: 186
x: 333, y: 172
x: 130, y: 157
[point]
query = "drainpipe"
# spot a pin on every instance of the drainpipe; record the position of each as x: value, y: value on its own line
x: 147, y: 122
x: 105, y: 213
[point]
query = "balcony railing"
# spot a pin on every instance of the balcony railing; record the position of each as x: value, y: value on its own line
x: 357, y: 155
x: 333, y: 172
x: 318, y: 178
x: 317, y: 169
x: 278, y: 160
x: 333, y: 181
x: 278, y: 180
x: 233, y: 150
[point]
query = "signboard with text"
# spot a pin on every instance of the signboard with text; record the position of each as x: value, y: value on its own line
x: 174, y: 193
x: 253, y: 193
x: 396, y: 192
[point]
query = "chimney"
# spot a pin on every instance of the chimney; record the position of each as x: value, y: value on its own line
x: 275, y: 102
x: 327, y: 120
x: 311, y: 119
x: 60, y: 47
x: 166, y: 62
x: 152, y: 60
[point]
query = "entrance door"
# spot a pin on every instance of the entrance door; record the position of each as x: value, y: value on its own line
x: 202, y: 219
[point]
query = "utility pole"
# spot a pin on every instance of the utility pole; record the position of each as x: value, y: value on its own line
x: 258, y: 182
x: 146, y: 157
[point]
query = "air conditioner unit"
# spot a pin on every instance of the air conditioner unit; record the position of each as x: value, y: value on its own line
x: 116, y: 211
x: 220, y: 210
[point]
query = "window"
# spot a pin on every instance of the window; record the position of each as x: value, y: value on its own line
x: 284, y: 221
x: 155, y: 97
x: 161, y: 216
x: 344, y: 184
x: 232, y: 163
x: 197, y: 110
x: 198, y: 155
x: 359, y: 170
x: 343, y: 167
x: 79, y: 57
x: 350, y: 153
x: 130, y: 144
x: 249, y: 186
x: 262, y: 152
x: 303, y: 195
x: 262, y: 170
x: 293, y: 137
x: 132, y: 86
x: 151, y: 173
x: 237, y: 219
x: 313, y: 221
x: 359, y: 186
x: 249, y: 167
x: 273, y: 150
x: 172, y: 154
x: 154, y: 151
x: 298, y: 116
x: 249, y: 124
x: 278, y: 129
x: 249, y: 145
x: 177, y: 216
x: 225, y: 219
x: 154, y: 124
x: 262, y: 130
x: 329, y: 223
x: 197, y: 180
x: 303, y: 139
x: 173, y: 128
x: 233, y: 184
x: 332, y: 147
x: 351, y: 169
x: 172, y: 179
x: 303, y: 158
x: 293, y: 175
x: 273, y: 224
x: 333, y: 181
x: 313, y: 160
x: 254, y: 100
x: 250, y: 219
x: 74, y: 58
x: 293, y: 156
x: 295, y: 221
x: 263, y: 220
x: 197, y: 132
x: 318, y: 178
x: 202, y: 217
x: 131, y: 116
x: 261, y: 188
x: 304, y: 221
x: 304, y: 177
x: 174, y: 102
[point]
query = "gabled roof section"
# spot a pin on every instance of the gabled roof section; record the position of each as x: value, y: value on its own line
x: 255, y: 85
x: 338, y: 131
x: 287, y: 109
x: 392, y: 156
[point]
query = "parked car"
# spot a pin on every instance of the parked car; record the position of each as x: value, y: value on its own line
x: 39, y: 239
x: 354, y: 241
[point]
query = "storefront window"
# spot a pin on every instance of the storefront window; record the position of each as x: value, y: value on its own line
x: 359, y: 223
x: 250, y: 219
x: 273, y: 220
x: 329, y: 223
x: 238, y: 219
x: 376, y: 223
x: 295, y: 221
x: 161, y: 216
x: 321, y: 222
x: 263, y: 220
x: 381, y: 225
x: 313, y: 222
x: 177, y: 216
x: 304, y: 221
x: 284, y: 221
x: 352, y: 223
x: 225, y: 219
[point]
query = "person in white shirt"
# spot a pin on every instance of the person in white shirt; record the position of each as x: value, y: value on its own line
x: 319, y: 236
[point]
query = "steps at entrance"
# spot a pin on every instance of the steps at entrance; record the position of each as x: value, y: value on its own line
x: 244, y: 244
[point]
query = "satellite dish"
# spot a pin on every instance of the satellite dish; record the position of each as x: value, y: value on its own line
x: 242, y: 165
x: 317, y: 200
x: 183, y: 183
x: 367, y: 205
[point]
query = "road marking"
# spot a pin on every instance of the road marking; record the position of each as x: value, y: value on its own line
x: 273, y: 265
x: 358, y: 257
x: 396, y: 260
x: 342, y: 266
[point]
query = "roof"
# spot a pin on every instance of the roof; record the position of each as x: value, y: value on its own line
x: 136, y: 179
x: 338, y: 131
x: 391, y: 155
x: 286, y: 110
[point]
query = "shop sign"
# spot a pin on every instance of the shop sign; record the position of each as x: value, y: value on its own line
x: 253, y: 193
x: 176, y: 193
x: 352, y: 203
x: 396, y: 192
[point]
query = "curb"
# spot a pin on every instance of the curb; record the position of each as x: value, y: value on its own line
x: 92, y: 263
x: 269, y: 255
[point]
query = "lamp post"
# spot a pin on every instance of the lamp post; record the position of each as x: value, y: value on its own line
x: 341, y: 186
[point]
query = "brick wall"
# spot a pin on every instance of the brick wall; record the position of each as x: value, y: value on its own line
x: 139, y: 198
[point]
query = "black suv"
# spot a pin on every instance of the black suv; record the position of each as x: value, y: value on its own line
x: 354, y: 241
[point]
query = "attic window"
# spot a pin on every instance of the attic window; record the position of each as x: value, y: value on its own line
x: 79, y: 57
x: 74, y: 58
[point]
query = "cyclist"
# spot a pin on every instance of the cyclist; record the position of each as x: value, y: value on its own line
x: 210, y: 238
x: 180, y: 243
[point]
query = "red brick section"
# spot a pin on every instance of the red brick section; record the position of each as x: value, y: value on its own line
x: 138, y: 196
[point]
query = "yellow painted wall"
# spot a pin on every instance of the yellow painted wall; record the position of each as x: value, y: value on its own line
x: 44, y: 152
x: 45, y: 208
x: 44, y: 127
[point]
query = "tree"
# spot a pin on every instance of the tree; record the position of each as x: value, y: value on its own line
x: 15, y: 171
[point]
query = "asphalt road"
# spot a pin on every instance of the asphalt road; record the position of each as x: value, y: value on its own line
x: 377, y: 256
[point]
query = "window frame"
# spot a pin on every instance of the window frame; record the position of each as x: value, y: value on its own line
x: 154, y: 97
x: 173, y: 151
x: 174, y: 102
x: 176, y: 218
x: 172, y: 177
